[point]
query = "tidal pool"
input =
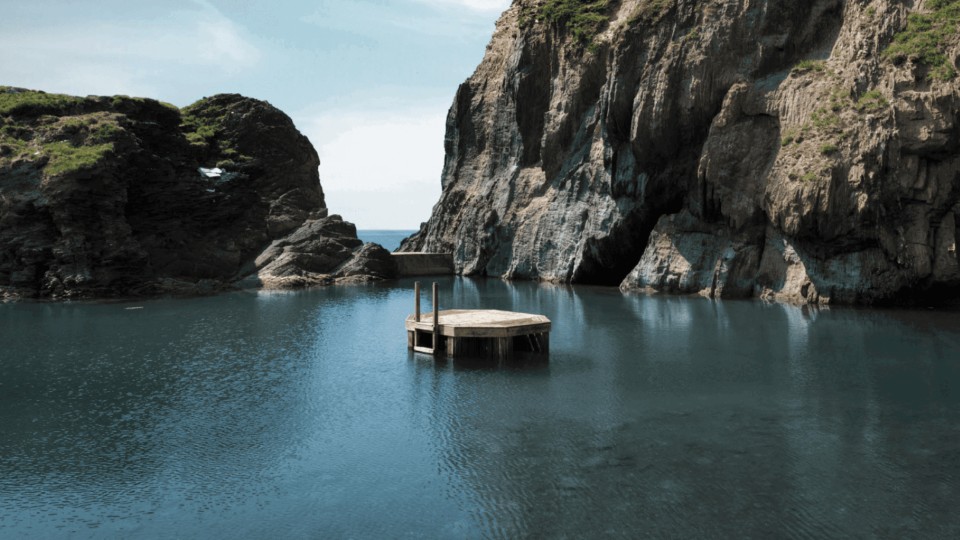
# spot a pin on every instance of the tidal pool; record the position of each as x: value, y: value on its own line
x: 303, y: 415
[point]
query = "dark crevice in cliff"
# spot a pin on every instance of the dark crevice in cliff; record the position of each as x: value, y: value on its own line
x: 732, y: 149
x: 460, y: 136
x: 606, y: 261
x: 531, y: 99
x: 786, y: 38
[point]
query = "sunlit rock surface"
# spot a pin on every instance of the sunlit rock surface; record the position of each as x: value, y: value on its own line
x: 769, y: 149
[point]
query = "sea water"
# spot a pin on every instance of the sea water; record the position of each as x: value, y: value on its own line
x: 389, y: 239
x: 303, y: 415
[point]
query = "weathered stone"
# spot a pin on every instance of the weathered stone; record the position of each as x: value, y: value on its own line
x: 685, y: 257
x: 322, y: 251
x: 725, y: 148
x: 103, y: 197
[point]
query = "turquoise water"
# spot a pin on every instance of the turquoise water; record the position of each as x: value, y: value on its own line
x: 386, y: 238
x: 303, y: 415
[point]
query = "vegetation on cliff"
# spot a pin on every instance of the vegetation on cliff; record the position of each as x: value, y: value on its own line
x: 101, y: 196
x: 927, y: 38
x: 54, y: 130
x: 583, y: 19
x: 62, y: 133
x: 832, y: 125
x: 203, y: 123
x: 200, y: 122
x: 788, y: 150
x: 651, y: 11
x: 20, y: 102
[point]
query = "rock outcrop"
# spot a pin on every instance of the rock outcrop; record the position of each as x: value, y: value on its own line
x: 118, y: 196
x: 322, y: 251
x: 795, y: 151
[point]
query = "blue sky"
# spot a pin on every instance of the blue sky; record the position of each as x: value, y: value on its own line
x: 368, y: 81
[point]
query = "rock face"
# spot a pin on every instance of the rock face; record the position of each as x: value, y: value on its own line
x: 796, y: 151
x: 118, y: 196
x: 321, y: 252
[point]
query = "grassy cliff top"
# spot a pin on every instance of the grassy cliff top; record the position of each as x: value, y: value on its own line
x: 63, y: 134
x: 54, y: 131
x: 583, y: 19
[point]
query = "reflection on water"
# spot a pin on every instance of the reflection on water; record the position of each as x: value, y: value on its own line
x: 303, y: 415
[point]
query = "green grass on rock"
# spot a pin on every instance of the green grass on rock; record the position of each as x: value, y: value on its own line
x: 927, y: 38
x: 584, y: 19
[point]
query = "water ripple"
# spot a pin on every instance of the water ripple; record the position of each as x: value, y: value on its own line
x: 303, y: 416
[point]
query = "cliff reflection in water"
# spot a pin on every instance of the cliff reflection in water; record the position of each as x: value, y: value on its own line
x: 666, y: 414
x: 304, y: 415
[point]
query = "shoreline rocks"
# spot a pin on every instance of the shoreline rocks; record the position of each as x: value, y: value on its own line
x: 106, y: 197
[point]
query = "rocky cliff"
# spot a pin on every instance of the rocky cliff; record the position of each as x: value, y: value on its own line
x: 118, y: 196
x: 796, y: 151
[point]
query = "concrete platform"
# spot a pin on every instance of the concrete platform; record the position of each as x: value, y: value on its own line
x: 479, y: 332
x: 475, y: 332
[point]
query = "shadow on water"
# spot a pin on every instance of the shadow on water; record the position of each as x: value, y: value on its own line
x: 519, y: 362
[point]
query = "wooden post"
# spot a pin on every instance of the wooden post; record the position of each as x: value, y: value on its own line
x: 416, y: 292
x: 504, y: 347
x: 436, y: 318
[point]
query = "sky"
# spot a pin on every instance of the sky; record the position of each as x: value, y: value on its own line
x: 369, y: 82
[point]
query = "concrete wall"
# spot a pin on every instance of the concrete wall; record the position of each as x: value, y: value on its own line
x: 424, y: 264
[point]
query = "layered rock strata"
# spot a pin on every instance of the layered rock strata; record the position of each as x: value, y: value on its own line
x: 118, y: 196
x: 796, y: 151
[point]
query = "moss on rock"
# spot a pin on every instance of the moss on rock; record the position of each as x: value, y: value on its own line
x: 927, y: 38
x: 583, y: 19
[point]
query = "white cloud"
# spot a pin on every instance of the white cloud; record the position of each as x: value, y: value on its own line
x: 221, y: 45
x: 360, y: 66
x: 380, y: 169
x: 476, y: 5
x: 463, y: 19
x: 92, y: 57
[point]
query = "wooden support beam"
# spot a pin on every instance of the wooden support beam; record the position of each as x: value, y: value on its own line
x: 436, y: 317
x: 504, y: 347
x: 416, y: 293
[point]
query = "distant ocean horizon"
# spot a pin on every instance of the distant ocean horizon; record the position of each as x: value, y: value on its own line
x: 388, y: 238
